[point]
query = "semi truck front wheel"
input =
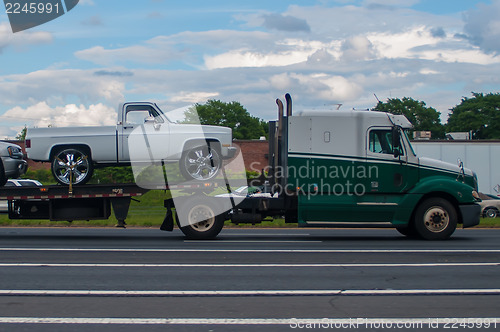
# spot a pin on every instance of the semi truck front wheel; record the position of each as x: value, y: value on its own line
x: 435, y: 219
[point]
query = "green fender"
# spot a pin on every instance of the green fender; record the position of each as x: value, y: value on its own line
x: 435, y: 185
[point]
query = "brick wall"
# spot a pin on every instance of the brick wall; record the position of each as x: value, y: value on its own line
x: 255, y: 154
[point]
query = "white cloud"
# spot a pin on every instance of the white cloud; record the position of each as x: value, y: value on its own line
x: 23, y: 39
x: 186, y: 46
x: 243, y: 58
x: 401, y: 45
x: 42, y: 115
x: 285, y: 23
x: 394, y: 3
x: 357, y: 48
x: 483, y: 26
x: 138, y: 54
x: 193, y: 97
x: 323, y: 86
x: 55, y: 86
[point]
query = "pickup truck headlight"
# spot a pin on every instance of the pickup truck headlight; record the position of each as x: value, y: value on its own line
x: 15, y: 152
x: 475, y: 194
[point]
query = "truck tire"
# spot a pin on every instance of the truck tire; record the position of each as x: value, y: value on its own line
x: 407, y: 231
x: 435, y: 219
x: 76, y: 160
x: 200, y: 163
x: 3, y: 177
x: 202, y: 219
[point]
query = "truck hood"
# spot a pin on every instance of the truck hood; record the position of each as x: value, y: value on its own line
x: 433, y: 163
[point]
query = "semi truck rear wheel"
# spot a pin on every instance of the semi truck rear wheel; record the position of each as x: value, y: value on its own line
x: 435, y: 219
x: 201, y: 220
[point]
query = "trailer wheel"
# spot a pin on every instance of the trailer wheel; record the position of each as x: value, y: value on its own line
x: 201, y: 219
x: 435, y: 219
x: 72, y: 160
x: 200, y: 163
x: 3, y: 177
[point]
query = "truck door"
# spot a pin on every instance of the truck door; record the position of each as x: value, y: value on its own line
x: 390, y: 174
x: 390, y: 160
x: 144, y: 134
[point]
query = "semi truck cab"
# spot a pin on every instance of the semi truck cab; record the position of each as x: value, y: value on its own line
x: 358, y: 168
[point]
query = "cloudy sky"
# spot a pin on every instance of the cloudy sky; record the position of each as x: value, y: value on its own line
x: 79, y: 67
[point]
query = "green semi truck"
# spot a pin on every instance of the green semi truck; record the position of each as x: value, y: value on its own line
x: 351, y: 169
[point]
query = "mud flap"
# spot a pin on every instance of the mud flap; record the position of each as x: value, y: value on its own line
x: 168, y: 222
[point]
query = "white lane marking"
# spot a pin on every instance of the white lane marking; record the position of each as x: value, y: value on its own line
x: 265, y: 234
x: 292, y: 322
x: 240, y: 293
x: 129, y: 265
x: 253, y: 241
x: 338, y: 251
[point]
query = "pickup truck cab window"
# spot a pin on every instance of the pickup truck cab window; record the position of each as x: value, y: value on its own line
x: 381, y: 142
x: 137, y: 114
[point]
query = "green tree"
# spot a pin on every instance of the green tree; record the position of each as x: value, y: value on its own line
x: 422, y: 117
x: 479, y: 114
x: 232, y: 115
x: 22, y: 135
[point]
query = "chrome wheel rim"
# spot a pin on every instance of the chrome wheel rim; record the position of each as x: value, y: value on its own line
x: 71, y: 165
x: 490, y: 213
x: 202, y: 164
x: 436, y: 219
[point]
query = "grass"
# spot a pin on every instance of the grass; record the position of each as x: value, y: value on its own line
x: 489, y: 223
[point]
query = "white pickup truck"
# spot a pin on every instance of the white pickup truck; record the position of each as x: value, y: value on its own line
x: 75, y: 151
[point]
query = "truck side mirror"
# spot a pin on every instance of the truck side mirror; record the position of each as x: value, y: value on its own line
x: 396, y: 142
x: 152, y: 119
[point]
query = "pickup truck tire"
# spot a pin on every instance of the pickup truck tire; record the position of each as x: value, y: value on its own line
x: 3, y: 177
x: 490, y: 212
x: 76, y: 160
x: 435, y: 219
x: 200, y: 163
x: 202, y: 219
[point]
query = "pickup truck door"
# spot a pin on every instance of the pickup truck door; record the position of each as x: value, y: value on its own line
x: 144, y: 135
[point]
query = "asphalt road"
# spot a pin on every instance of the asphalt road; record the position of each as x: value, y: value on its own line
x: 80, y: 279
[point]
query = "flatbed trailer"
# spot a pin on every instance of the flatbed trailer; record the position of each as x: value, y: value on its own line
x: 88, y: 202
x: 59, y: 203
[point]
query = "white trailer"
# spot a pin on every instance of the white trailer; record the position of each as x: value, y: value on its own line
x: 481, y: 156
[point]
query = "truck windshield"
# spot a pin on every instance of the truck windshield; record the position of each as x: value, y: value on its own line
x: 408, y: 142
